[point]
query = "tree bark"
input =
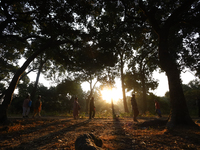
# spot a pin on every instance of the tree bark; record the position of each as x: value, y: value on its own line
x: 179, y: 112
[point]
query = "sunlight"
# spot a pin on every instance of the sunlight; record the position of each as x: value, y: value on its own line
x: 108, y: 94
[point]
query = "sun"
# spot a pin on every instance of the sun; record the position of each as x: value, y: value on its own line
x: 108, y: 94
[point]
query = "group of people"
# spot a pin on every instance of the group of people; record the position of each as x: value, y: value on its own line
x: 76, y: 108
x: 27, y: 105
x: 136, y: 111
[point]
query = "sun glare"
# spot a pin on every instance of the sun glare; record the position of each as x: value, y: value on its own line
x: 108, y: 94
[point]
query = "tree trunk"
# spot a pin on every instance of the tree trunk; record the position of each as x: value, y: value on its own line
x: 37, y: 80
x: 179, y: 112
x: 90, y: 96
x: 144, y: 100
x: 123, y: 87
x: 113, y: 109
x: 9, y: 92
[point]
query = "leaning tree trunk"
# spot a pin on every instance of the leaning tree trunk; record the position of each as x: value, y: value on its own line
x: 9, y: 92
x: 179, y: 112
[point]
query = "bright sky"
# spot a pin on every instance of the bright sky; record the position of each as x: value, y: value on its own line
x: 163, y: 83
x: 160, y: 91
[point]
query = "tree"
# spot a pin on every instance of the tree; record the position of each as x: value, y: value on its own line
x: 67, y: 91
x: 174, y: 22
x: 191, y: 92
x: 124, y: 53
x: 26, y: 21
x: 141, y: 68
x: 166, y: 26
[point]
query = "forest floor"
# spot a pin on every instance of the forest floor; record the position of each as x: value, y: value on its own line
x: 117, y: 134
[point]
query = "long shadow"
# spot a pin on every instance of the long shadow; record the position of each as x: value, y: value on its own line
x: 191, y: 137
x: 49, y: 138
x: 30, y: 130
x: 183, y: 134
x: 121, y: 136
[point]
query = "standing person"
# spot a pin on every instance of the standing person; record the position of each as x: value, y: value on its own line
x: 92, y: 108
x: 37, y: 107
x: 157, y: 107
x: 134, y: 107
x: 76, y: 108
x: 26, y: 106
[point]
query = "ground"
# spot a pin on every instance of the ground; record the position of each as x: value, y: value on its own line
x: 117, y: 134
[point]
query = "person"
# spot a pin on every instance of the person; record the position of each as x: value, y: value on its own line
x: 92, y: 108
x: 76, y: 108
x: 157, y: 108
x: 37, y: 107
x: 134, y: 108
x: 26, y: 106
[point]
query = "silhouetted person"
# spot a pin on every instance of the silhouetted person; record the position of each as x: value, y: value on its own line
x: 92, y: 108
x: 134, y: 107
x: 157, y: 108
x: 26, y: 106
x: 37, y: 107
x: 76, y: 108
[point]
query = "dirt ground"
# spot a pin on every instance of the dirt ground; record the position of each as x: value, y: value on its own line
x: 60, y: 133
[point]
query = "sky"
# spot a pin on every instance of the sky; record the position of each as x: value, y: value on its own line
x: 160, y: 91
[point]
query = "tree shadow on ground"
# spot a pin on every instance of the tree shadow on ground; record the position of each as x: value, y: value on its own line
x: 30, y: 130
x: 191, y: 135
x: 50, y: 137
x: 122, y: 138
x: 153, y: 123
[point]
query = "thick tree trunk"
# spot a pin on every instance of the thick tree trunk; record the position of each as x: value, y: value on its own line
x: 179, y: 112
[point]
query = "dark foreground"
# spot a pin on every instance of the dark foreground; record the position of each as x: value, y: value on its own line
x: 121, y: 134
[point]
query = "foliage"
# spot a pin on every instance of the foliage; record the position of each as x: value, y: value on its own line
x: 54, y: 99
x: 85, y: 36
x: 192, y: 94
